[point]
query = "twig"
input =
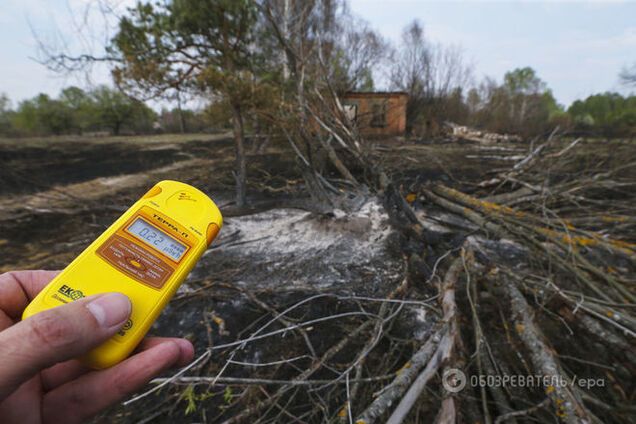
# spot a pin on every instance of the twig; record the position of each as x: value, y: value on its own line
x: 444, y: 349
x: 260, y: 381
x: 522, y: 413
x: 403, y: 380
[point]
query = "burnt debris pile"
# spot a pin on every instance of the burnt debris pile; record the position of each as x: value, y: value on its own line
x: 501, y: 298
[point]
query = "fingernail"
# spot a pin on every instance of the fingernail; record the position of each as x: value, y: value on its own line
x: 187, y: 349
x: 110, y: 309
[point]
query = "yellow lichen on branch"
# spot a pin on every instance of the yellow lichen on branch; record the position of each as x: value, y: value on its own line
x: 580, y: 239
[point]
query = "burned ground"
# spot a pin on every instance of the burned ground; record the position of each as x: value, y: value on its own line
x: 331, y: 268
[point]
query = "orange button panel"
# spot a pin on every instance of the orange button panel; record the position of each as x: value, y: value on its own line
x: 135, y: 261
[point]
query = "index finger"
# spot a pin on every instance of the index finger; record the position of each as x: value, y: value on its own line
x: 18, y: 288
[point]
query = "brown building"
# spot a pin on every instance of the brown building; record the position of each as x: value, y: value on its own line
x: 377, y: 114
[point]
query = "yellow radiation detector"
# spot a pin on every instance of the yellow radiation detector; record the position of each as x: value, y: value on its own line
x: 146, y: 254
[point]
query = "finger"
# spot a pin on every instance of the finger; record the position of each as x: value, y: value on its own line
x: 23, y: 405
x: 5, y: 320
x: 67, y: 371
x: 185, y: 346
x: 95, y: 391
x: 57, y: 335
x: 18, y: 288
x: 62, y: 373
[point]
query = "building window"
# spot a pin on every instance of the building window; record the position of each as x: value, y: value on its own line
x: 351, y: 111
x: 378, y: 115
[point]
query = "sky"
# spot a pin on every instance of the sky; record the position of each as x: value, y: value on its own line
x: 577, y: 47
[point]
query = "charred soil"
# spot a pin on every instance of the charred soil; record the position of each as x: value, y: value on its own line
x: 293, y: 307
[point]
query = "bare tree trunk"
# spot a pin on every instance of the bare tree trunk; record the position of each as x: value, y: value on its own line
x: 182, y: 124
x: 239, y: 146
x: 285, y: 55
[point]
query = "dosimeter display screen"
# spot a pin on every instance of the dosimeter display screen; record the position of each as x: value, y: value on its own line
x: 157, y: 239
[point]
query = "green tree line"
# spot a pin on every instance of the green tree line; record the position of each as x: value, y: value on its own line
x: 75, y: 111
x: 609, y: 114
x: 521, y: 104
x: 248, y: 58
x: 438, y: 82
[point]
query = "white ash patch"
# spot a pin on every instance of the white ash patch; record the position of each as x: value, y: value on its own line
x: 292, y: 231
x: 295, y: 248
x: 422, y: 324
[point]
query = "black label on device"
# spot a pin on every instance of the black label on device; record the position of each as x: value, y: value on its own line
x: 70, y: 292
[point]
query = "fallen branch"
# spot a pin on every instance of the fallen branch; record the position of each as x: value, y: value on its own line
x: 445, y: 348
x: 568, y: 407
x: 404, y: 379
x: 523, y: 413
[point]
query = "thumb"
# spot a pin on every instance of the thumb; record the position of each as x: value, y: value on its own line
x: 58, y: 334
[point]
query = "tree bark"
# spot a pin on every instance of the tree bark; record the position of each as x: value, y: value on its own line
x: 239, y: 147
x: 567, y: 403
x: 182, y: 123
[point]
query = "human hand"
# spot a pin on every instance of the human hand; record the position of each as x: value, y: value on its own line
x: 40, y: 382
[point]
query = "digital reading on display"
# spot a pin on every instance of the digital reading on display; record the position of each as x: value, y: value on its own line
x: 157, y: 239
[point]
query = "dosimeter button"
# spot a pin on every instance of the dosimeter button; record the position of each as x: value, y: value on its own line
x: 135, y: 262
